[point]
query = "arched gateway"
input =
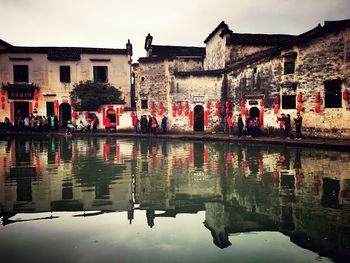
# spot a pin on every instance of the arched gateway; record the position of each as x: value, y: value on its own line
x: 198, y: 118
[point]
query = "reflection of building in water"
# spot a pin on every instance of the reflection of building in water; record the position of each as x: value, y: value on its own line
x: 241, y: 188
x: 60, y: 175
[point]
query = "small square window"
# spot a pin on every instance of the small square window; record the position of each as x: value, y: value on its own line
x: 288, y: 102
x: 65, y: 74
x: 100, y: 74
x: 20, y: 73
x: 144, y: 104
x: 289, y: 67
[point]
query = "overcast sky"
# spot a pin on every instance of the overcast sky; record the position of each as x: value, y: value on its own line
x: 110, y: 23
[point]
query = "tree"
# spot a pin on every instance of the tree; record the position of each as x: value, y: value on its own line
x: 90, y: 95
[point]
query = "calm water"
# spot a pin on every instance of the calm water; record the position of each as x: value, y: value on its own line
x: 112, y: 200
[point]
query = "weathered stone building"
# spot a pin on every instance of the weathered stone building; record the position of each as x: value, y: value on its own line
x: 39, y: 79
x: 257, y: 74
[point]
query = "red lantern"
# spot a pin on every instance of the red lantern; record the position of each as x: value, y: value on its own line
x: 276, y: 108
x: 173, y: 107
x: 179, y: 112
x: 179, y: 106
x: 86, y: 114
x: 174, y: 114
x: 187, y: 106
x: 246, y: 111
x: 3, y: 92
x: 243, y: 111
x: 208, y: 105
x: 227, y: 110
x: 186, y: 112
x: 346, y: 95
x: 300, y: 97
x: 121, y: 110
x: 160, y: 113
x: 242, y: 103
x: 36, y: 104
x: 261, y: 119
x: 36, y: 97
x: 160, y: 105
x: 74, y: 114
x: 36, y: 91
x: 152, y: 112
x: 217, y: 112
x: 318, y: 98
x: 276, y: 100
x: 262, y: 103
x: 117, y: 110
x: 98, y: 110
x: 227, y: 104
x: 217, y: 105
x: 152, y: 106
x: 132, y: 114
x: 2, y: 99
x: 3, y: 106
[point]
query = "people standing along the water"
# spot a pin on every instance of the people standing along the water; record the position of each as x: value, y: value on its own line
x: 154, y: 125
x: 143, y: 124
x: 229, y: 125
x: 149, y: 124
x: 27, y: 124
x: 281, y: 119
x: 240, y: 125
x: 94, y: 124
x: 287, y: 125
x: 249, y: 123
x: 256, y: 127
x: 298, y: 123
x: 164, y: 123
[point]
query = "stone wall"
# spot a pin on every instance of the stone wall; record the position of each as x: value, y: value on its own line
x: 215, y: 52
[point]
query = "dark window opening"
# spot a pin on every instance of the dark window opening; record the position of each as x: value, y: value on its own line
x: 333, y: 96
x: 255, y: 70
x: 20, y: 73
x: 65, y: 74
x: 142, y: 78
x: 50, y: 108
x: 288, y: 102
x: 100, y: 74
x: 289, y: 67
x: 144, y: 104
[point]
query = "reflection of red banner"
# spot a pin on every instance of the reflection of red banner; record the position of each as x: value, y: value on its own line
x: 191, y: 154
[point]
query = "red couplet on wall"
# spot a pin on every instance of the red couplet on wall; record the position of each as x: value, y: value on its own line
x: 262, y: 117
x: 36, y: 104
x: 206, y: 119
x: 191, y: 118
x: 74, y: 114
x: 276, y: 108
x: 121, y: 110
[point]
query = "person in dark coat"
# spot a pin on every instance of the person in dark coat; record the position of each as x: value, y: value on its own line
x: 240, y: 125
x: 143, y: 123
x: 298, y: 122
x: 149, y: 125
x: 287, y: 126
x: 164, y: 123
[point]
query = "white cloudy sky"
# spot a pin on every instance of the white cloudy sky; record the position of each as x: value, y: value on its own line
x: 109, y: 23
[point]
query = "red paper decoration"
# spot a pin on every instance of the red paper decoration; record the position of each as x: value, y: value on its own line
x: 36, y: 91
x: 74, y: 114
x: 346, y: 95
x: 300, y: 97
x: 36, y: 97
x: 3, y: 106
x: 208, y: 105
x: 36, y: 104
x: 121, y: 110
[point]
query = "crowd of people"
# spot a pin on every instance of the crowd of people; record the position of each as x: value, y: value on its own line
x: 32, y: 123
x: 251, y: 126
x: 149, y: 125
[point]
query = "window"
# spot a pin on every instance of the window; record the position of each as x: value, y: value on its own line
x: 288, y: 102
x: 65, y: 74
x: 100, y: 74
x: 20, y: 73
x: 289, y: 67
x: 332, y: 91
x: 144, y: 104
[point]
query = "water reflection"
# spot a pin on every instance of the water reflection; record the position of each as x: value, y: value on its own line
x: 300, y: 192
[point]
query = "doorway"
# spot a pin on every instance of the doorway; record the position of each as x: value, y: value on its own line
x: 198, y: 118
x: 21, y: 109
x: 254, y: 112
x: 65, y: 114
x: 50, y: 108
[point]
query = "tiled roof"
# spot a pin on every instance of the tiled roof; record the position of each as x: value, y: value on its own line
x: 222, y: 25
x: 261, y: 39
x: 64, y: 53
x: 177, y: 51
